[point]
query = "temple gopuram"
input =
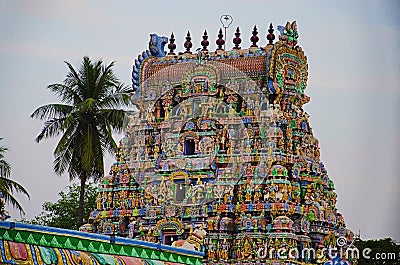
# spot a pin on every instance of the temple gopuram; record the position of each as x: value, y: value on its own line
x: 219, y: 165
x: 220, y: 156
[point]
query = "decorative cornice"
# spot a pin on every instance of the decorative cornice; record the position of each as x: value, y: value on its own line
x: 69, y: 240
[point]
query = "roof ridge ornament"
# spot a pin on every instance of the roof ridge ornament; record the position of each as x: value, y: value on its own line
x: 237, y: 40
x: 254, y: 38
x: 205, y: 42
x: 188, y: 43
x: 289, y: 33
x: 172, y: 45
x: 270, y: 36
x: 220, y: 41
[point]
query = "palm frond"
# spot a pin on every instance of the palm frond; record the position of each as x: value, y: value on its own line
x: 123, y: 92
x: 114, y: 100
x: 9, y: 198
x: 65, y: 91
x: 5, y: 168
x: 12, y: 185
x: 76, y: 81
x: 63, y: 152
x: 51, y: 111
x: 115, y: 118
x: 51, y: 128
x: 7, y: 185
x: 3, y: 149
x: 107, y: 80
x: 88, y: 105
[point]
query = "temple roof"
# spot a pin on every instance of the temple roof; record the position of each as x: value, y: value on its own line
x: 275, y: 67
x: 21, y: 243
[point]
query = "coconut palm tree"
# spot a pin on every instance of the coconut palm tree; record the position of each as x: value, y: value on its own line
x: 92, y: 108
x: 7, y: 185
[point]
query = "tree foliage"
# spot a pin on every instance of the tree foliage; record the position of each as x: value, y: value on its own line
x: 92, y: 108
x: 64, y: 212
x: 7, y: 185
x: 382, y: 251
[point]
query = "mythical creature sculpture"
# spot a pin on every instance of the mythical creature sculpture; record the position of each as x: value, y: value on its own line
x: 193, y: 242
x: 156, y: 45
x: 289, y: 33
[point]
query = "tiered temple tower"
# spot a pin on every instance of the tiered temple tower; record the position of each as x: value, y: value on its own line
x: 221, y: 143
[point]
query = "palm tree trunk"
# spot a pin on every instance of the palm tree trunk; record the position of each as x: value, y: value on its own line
x: 81, y: 201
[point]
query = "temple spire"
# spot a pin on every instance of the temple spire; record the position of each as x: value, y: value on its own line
x: 205, y: 41
x: 188, y: 44
x: 220, y: 41
x: 171, y: 45
x: 254, y: 39
x: 237, y: 40
x: 270, y: 36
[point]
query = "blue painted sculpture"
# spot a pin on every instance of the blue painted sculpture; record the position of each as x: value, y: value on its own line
x: 156, y: 45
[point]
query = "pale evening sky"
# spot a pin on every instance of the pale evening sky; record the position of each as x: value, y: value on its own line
x: 353, y: 50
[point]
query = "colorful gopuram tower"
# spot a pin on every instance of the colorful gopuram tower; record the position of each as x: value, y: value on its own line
x: 220, y: 156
